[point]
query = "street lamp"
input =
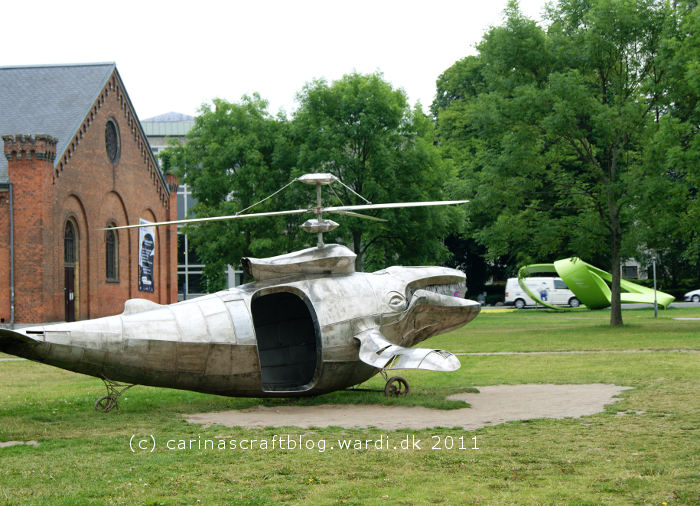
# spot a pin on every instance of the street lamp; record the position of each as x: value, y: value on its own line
x: 656, y: 307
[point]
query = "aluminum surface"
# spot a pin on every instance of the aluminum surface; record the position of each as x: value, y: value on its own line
x: 330, y: 259
x: 315, y: 226
x: 319, y: 178
x: 317, y: 326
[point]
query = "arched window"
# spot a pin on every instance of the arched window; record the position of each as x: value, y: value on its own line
x: 70, y: 268
x: 69, y: 244
x: 112, y: 254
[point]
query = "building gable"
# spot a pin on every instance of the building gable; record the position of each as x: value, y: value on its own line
x: 112, y: 99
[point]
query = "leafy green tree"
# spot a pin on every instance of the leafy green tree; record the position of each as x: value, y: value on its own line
x: 559, y: 143
x: 360, y: 129
x: 363, y: 131
x: 674, y: 231
x: 236, y: 155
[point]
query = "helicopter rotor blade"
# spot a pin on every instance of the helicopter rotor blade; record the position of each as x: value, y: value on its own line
x: 346, y: 210
x: 212, y: 218
x: 356, y: 215
x: 398, y: 204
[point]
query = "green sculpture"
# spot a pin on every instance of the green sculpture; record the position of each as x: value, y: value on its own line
x: 587, y: 283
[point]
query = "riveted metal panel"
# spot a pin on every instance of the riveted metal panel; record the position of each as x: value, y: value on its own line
x: 237, y: 385
x: 93, y: 356
x: 64, y: 356
x: 338, y: 334
x: 160, y: 357
x: 135, y: 352
x: 226, y: 360
x: 191, y: 322
x: 189, y: 381
x: 192, y: 357
x: 157, y: 324
x: 242, y: 321
x: 218, y: 320
x: 341, y: 298
x: 219, y: 361
x: 64, y: 338
x: 340, y: 353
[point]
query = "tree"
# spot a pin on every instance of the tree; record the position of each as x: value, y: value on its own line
x: 363, y: 131
x: 236, y: 155
x: 560, y: 141
x: 675, y: 232
x: 360, y: 129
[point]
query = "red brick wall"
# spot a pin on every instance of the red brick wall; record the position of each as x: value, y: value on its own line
x: 85, y: 187
x: 4, y: 257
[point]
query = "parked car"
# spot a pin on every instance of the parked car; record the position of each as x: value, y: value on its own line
x: 551, y: 290
x: 693, y: 296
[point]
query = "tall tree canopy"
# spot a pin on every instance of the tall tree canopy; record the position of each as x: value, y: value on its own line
x: 236, y: 155
x: 558, y: 131
x: 358, y: 128
x: 363, y: 131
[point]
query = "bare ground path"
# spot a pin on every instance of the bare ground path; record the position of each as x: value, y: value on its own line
x: 494, y: 405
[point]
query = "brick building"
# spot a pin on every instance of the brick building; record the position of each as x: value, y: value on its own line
x: 76, y: 161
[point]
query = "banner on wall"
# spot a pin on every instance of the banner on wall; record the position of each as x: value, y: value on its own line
x: 147, y: 247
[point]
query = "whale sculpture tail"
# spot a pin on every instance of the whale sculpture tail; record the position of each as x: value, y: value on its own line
x: 13, y: 342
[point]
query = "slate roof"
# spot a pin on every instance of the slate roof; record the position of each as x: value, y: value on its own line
x: 48, y: 99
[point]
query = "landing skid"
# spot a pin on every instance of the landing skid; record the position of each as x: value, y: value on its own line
x: 395, y: 386
x: 114, y: 390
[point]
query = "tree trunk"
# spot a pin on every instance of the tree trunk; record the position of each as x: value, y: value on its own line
x: 616, y: 244
x: 356, y: 245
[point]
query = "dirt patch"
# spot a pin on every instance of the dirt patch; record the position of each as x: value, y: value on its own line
x: 15, y: 443
x: 494, y: 405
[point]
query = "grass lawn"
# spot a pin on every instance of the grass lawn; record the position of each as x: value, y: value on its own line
x: 644, y: 449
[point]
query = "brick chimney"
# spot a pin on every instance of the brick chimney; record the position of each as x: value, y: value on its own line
x: 30, y: 170
x: 29, y: 148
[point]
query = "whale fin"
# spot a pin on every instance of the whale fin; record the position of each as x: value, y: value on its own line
x: 376, y: 351
x: 132, y: 306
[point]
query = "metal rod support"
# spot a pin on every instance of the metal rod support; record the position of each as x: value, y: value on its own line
x: 319, y: 214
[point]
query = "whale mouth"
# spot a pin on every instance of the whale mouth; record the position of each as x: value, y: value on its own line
x: 457, y: 289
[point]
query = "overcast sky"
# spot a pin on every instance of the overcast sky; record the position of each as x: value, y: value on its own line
x: 175, y: 55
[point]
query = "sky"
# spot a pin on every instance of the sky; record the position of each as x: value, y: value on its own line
x: 176, y: 55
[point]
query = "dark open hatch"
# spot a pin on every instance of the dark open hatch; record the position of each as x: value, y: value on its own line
x: 286, y: 341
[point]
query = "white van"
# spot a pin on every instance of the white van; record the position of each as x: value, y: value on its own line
x: 550, y: 290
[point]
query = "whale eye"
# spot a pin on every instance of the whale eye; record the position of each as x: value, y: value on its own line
x: 396, y: 301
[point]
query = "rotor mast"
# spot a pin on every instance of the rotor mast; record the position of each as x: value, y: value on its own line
x: 319, y: 225
x: 319, y: 214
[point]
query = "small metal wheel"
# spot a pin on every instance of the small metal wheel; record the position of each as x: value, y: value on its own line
x: 105, y: 403
x: 114, y: 390
x: 397, y: 387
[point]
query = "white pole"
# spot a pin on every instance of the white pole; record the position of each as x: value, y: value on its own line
x: 656, y: 307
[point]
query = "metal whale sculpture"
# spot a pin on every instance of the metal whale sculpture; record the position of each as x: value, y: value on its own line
x: 308, y: 325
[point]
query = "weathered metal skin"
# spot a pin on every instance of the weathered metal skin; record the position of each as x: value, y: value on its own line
x: 298, y: 335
